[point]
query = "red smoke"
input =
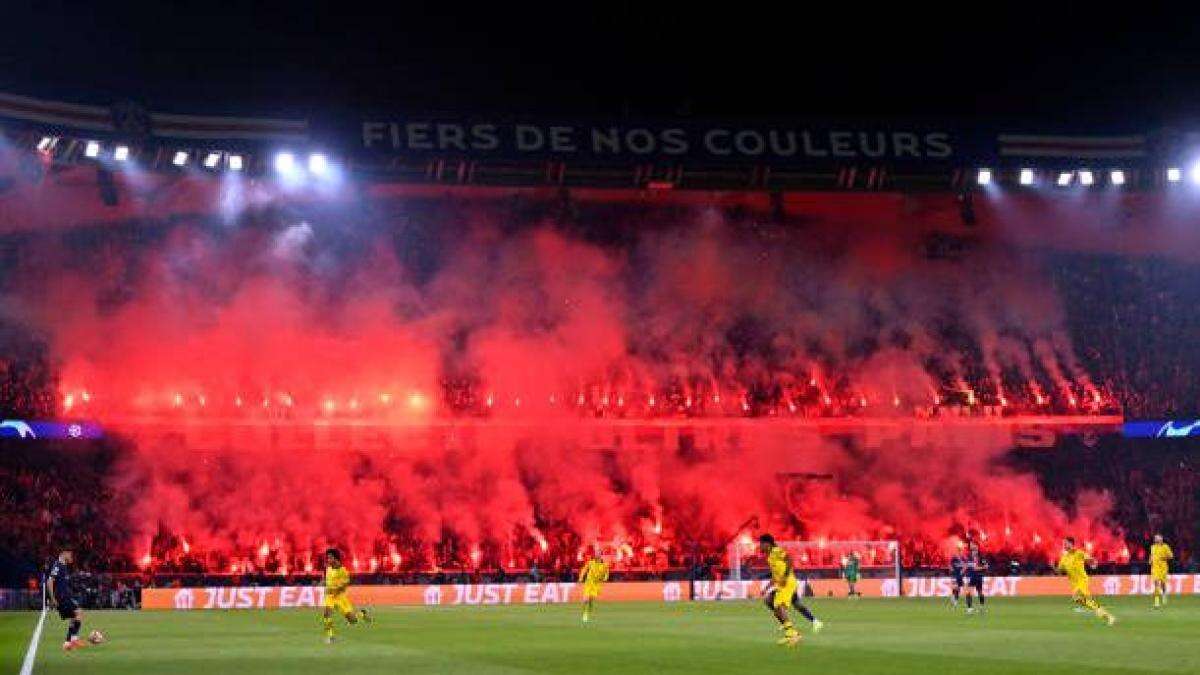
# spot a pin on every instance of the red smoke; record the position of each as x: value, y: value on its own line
x: 534, y: 327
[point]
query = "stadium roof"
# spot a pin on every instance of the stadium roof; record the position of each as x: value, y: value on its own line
x: 1043, y: 67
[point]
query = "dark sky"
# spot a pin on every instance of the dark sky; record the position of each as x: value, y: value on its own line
x: 1090, y: 66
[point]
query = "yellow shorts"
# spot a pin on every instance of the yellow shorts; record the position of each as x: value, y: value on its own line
x: 784, y: 594
x: 339, y: 603
x: 591, y: 591
x: 1081, y: 591
x: 1158, y: 573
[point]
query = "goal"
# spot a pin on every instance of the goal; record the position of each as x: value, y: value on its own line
x: 822, y: 559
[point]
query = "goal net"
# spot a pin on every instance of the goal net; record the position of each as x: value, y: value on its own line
x: 820, y: 559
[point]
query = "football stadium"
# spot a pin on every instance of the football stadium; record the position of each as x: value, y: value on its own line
x: 466, y: 391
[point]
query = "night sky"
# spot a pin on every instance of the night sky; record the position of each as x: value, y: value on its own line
x: 1035, y: 67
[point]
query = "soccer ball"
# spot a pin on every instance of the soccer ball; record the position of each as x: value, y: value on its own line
x: 96, y: 637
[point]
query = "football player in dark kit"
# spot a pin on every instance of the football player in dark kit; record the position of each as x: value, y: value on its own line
x: 61, y: 596
x: 958, y: 564
x: 975, y: 565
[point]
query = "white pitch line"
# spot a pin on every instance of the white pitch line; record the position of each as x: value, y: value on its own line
x: 31, y: 653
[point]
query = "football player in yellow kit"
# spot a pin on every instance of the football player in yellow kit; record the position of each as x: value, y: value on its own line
x: 337, y: 583
x: 783, y: 588
x: 1160, y: 567
x: 1073, y: 563
x: 594, y: 573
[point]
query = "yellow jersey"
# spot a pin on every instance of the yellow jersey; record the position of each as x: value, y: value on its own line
x: 337, y: 580
x: 1074, y: 564
x: 1160, y: 554
x: 594, y: 572
x: 781, y: 566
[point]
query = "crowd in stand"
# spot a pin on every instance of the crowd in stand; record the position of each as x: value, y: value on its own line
x: 1131, y: 321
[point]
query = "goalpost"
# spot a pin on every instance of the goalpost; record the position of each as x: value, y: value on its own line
x: 824, y: 559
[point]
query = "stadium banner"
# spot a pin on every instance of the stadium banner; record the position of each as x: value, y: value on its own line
x: 422, y: 135
x: 287, y: 597
x: 626, y: 140
x: 783, y: 142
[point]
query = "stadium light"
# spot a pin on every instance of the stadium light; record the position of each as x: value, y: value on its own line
x: 1026, y: 177
x: 121, y: 153
x: 1174, y: 174
x: 984, y: 177
x: 285, y: 163
x: 180, y: 158
x: 1086, y: 178
x: 92, y: 149
x: 235, y: 162
x: 46, y: 143
x: 318, y: 164
x: 1196, y: 172
x: 1117, y: 177
x: 211, y: 160
x: 1064, y: 179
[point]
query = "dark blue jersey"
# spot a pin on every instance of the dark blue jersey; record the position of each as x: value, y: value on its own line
x: 64, y: 583
x: 957, y: 565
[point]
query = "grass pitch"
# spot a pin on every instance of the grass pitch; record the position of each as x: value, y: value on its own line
x: 1031, y: 635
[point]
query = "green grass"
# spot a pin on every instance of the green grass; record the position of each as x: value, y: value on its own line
x: 1032, y: 635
